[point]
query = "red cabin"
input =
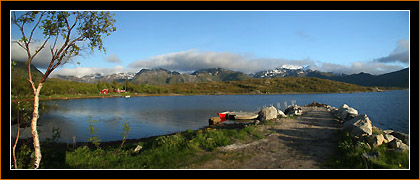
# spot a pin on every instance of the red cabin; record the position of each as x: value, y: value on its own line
x: 104, y: 91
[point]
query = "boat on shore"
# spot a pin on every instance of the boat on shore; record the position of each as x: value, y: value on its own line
x: 223, y: 115
x: 238, y: 115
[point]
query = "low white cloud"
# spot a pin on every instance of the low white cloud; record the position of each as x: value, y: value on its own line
x: 42, y: 60
x: 370, y: 67
x: 191, y: 60
x: 113, y: 59
x: 82, y: 71
x: 400, y: 53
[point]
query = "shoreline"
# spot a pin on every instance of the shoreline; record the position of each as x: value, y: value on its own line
x: 308, y: 140
x: 197, y: 94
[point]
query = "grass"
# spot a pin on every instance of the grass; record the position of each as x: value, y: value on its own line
x: 351, y: 154
x: 163, y: 152
x: 178, y: 150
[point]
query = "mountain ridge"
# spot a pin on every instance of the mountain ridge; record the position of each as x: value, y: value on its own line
x: 160, y: 76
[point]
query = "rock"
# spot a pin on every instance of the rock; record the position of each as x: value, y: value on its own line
x: 294, y: 110
x: 138, y: 148
x: 376, y: 140
x: 388, y: 138
x: 402, y: 136
x: 398, y: 145
x: 281, y: 114
x: 267, y: 113
x: 256, y: 122
x: 214, y: 120
x: 345, y: 112
x: 388, y: 131
x: 358, y: 126
x: 342, y: 108
x: 348, y: 114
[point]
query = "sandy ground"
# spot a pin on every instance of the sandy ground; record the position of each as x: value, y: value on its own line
x: 304, y: 142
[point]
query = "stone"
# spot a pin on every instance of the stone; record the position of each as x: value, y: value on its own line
x: 398, y: 145
x: 388, y: 138
x: 358, y: 126
x: 342, y: 108
x: 402, y: 136
x: 346, y: 112
x: 294, y: 110
x: 214, y: 120
x: 138, y: 148
x: 376, y: 140
x: 388, y: 131
x: 256, y: 122
x: 267, y: 113
x: 281, y: 114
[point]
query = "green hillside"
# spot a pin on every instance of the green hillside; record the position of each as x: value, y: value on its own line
x: 263, y: 86
x: 19, y: 78
x: 180, y: 84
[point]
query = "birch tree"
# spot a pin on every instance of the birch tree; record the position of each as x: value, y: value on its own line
x: 65, y: 33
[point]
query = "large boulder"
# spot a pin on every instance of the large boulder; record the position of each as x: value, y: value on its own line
x: 342, y: 108
x: 388, y: 138
x: 294, y: 110
x: 402, y: 136
x: 332, y: 109
x: 281, y: 114
x: 376, y: 140
x: 398, y: 145
x: 214, y: 120
x: 346, y: 112
x: 267, y: 113
x: 358, y: 126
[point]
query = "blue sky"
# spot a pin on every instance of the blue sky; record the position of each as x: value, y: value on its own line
x: 339, y: 41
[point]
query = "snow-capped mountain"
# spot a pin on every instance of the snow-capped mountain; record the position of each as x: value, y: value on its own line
x: 284, y: 71
x: 93, y: 78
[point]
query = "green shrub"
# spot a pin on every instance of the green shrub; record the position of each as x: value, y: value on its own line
x: 352, y: 154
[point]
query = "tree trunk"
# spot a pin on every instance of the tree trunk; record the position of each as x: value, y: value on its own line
x: 17, y: 137
x: 35, y: 136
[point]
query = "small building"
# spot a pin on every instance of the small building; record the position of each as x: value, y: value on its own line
x: 119, y: 90
x: 104, y: 91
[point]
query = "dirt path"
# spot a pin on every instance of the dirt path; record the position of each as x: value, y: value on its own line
x: 304, y: 142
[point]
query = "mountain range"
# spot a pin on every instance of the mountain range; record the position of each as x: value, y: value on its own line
x: 160, y: 76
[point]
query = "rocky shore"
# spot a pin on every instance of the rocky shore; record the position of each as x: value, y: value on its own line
x: 307, y: 137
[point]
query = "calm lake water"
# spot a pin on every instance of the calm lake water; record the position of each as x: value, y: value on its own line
x: 149, y: 116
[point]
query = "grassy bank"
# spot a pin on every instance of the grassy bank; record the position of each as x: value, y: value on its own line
x: 177, y: 150
x: 352, y: 154
x: 60, y: 89
x: 194, y: 148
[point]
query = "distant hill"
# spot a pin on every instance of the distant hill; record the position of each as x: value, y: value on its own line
x: 394, y: 79
x: 94, y: 78
x: 266, y: 86
x: 219, y: 74
x: 19, y: 78
x: 20, y: 70
x: 162, y: 76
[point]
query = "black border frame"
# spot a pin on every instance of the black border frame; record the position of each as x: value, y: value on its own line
x: 413, y: 6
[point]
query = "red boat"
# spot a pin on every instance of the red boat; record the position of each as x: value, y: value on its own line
x: 223, y: 115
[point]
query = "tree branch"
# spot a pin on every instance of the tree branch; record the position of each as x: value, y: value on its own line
x: 36, y: 25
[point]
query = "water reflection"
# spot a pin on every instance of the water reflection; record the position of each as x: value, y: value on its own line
x: 149, y: 116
